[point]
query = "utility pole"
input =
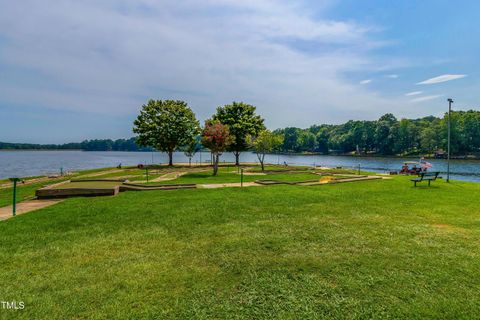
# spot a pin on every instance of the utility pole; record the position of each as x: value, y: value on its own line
x: 450, y: 101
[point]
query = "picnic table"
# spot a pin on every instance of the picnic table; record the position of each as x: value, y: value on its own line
x: 425, y: 176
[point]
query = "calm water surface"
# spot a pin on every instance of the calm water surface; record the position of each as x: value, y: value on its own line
x: 32, y: 163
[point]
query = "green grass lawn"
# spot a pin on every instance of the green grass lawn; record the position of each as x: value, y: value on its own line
x: 230, y: 176
x: 24, y: 192
x: 227, y: 174
x: 374, y: 249
x: 27, y: 191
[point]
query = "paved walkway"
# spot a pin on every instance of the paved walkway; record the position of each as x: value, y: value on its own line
x: 228, y: 185
x: 26, y: 206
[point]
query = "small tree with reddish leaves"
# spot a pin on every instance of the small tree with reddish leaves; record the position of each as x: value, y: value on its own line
x: 217, y: 138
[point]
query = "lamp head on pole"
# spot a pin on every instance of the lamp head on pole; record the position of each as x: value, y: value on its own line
x: 450, y: 100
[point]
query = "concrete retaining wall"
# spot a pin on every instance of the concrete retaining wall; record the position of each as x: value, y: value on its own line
x: 75, y: 192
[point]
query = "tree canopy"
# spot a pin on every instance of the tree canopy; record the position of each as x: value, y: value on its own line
x: 166, y: 125
x: 216, y: 137
x: 242, y: 121
x: 86, y: 145
x: 192, y: 148
x: 388, y: 136
x: 265, y: 142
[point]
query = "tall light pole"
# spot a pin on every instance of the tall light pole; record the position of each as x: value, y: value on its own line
x: 450, y: 101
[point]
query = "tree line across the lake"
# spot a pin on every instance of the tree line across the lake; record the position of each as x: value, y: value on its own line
x: 170, y: 125
x: 389, y: 136
x: 87, y: 145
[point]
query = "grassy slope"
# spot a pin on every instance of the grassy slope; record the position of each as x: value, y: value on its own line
x: 226, y: 175
x: 27, y: 191
x: 373, y: 250
x: 231, y: 176
x: 24, y: 192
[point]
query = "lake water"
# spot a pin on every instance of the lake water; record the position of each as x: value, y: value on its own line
x: 32, y: 163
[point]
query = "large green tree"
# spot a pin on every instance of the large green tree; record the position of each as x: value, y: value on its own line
x: 323, y: 136
x: 242, y: 121
x: 385, y: 132
x: 291, y: 139
x: 308, y: 141
x: 166, y: 125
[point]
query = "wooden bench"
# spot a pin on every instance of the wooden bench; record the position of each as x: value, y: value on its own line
x: 425, y: 176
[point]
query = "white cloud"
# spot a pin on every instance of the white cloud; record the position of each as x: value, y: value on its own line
x: 413, y: 93
x: 366, y: 81
x: 426, y: 98
x: 443, y: 78
x: 392, y: 76
x: 111, y: 56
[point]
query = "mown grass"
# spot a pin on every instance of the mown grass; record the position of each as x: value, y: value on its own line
x: 375, y: 249
x: 27, y: 191
x: 227, y: 174
x: 24, y: 192
x: 231, y: 176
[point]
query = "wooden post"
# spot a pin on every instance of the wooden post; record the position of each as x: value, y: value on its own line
x: 14, y: 204
x: 241, y: 178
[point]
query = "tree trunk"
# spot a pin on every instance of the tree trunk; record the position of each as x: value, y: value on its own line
x: 237, y: 157
x: 260, y: 159
x: 170, y: 158
x: 215, y: 163
x: 190, y: 161
x: 263, y: 161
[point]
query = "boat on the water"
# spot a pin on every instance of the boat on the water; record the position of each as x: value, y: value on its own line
x: 415, y: 167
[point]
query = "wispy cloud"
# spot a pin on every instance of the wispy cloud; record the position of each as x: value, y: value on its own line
x: 392, y: 76
x: 110, y: 56
x: 413, y: 93
x: 443, y: 78
x: 366, y: 81
x: 426, y: 98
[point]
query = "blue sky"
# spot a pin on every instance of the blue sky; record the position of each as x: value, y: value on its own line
x: 72, y: 70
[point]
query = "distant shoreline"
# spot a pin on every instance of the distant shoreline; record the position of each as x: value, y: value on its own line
x: 456, y: 157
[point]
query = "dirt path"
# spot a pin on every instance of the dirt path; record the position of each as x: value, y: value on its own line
x: 31, y: 181
x: 26, y: 206
x: 252, y: 173
x: 100, y: 173
x: 169, y: 176
x: 228, y: 185
x: 53, y: 179
x: 174, y: 175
